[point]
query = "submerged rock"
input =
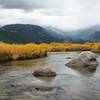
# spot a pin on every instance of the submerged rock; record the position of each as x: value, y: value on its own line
x: 84, y: 59
x: 44, y: 72
x: 68, y: 58
x: 44, y: 88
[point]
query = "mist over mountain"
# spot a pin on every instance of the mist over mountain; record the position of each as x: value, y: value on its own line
x: 89, y: 34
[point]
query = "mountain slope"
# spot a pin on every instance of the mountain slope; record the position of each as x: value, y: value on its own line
x: 91, y: 34
x: 26, y: 33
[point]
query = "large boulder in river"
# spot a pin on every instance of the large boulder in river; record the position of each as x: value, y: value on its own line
x: 84, y: 59
x: 44, y: 72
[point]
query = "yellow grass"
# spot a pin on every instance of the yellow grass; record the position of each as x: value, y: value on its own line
x: 16, y: 52
x: 30, y: 51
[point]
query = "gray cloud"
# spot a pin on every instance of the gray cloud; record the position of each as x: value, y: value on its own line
x: 30, y: 4
x: 16, y: 4
x: 66, y: 14
x: 39, y: 4
x: 21, y: 4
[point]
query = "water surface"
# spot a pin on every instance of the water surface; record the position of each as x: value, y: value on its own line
x: 18, y: 83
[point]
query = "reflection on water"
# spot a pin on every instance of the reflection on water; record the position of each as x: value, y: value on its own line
x: 3, y: 70
x: 85, y: 70
x: 46, y: 78
x: 27, y: 63
x: 18, y: 83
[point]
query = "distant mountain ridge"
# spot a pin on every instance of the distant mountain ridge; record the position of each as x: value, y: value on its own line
x: 90, y: 34
x: 27, y: 33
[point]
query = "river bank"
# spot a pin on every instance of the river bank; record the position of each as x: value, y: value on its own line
x: 10, y: 52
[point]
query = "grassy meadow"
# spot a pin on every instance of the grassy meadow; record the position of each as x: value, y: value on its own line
x: 30, y: 51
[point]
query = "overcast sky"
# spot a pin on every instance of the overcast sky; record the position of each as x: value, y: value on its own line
x: 64, y: 14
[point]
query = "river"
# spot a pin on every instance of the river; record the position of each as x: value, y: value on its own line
x: 18, y: 83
